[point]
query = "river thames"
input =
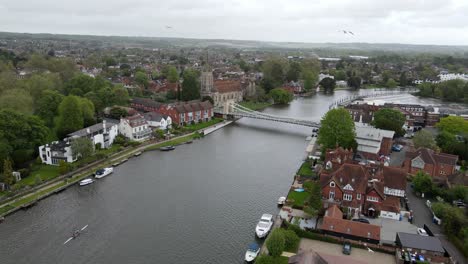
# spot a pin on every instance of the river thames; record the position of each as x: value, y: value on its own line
x: 197, y: 204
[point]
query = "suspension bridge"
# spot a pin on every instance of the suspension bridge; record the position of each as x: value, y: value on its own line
x: 232, y: 109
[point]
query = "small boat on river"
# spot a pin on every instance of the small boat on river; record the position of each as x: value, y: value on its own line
x: 167, y: 148
x: 281, y: 200
x: 103, y: 172
x: 252, y: 252
x: 86, y: 181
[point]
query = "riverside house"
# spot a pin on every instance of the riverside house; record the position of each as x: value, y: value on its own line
x: 183, y: 113
x: 438, y: 165
x: 135, y: 127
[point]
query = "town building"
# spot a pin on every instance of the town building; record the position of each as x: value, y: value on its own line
x: 313, y: 257
x: 428, y: 246
x: 53, y: 153
x: 222, y: 91
x: 362, y: 113
x: 432, y: 116
x: 183, y: 113
x: 334, y: 224
x: 438, y: 165
x: 102, y: 133
x: 145, y: 104
x: 418, y: 112
x: 452, y: 76
x: 157, y: 120
x: 135, y: 127
x: 373, y: 142
x: 373, y: 190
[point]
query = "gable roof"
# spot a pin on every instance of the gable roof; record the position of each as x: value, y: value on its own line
x: 334, y: 212
x: 145, y: 102
x: 92, y: 129
x: 153, y: 116
x: 352, y: 174
x: 226, y: 86
x: 136, y: 120
x: 420, y: 242
x: 394, y: 178
x: 431, y: 157
x: 349, y: 227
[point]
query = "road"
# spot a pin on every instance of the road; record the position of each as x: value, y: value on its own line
x: 423, y: 215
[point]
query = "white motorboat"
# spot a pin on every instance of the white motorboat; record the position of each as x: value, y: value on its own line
x: 86, y: 181
x: 103, y: 172
x: 252, y: 252
x: 281, y: 200
x: 264, y: 225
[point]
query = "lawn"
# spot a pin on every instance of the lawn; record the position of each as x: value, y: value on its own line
x: 198, y: 126
x: 298, y: 197
x: 255, y: 105
x: 46, y: 172
x: 305, y: 170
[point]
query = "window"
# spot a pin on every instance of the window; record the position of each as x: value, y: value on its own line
x: 347, y: 197
x: 442, y: 172
x: 332, y: 184
x: 372, y: 199
x: 331, y: 195
x: 358, y: 196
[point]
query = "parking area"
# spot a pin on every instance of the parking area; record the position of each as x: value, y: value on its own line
x: 336, y: 250
x: 390, y: 227
x: 397, y: 157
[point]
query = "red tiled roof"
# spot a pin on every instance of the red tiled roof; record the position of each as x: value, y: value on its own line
x: 394, y: 178
x: 430, y: 157
x: 352, y: 174
x: 226, y: 86
x: 334, y: 212
x: 349, y: 227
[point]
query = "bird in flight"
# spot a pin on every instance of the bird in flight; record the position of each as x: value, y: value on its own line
x: 168, y: 27
x: 346, y: 32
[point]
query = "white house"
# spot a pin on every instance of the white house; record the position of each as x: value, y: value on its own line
x: 56, y: 151
x: 102, y: 133
x: 135, y: 127
x: 452, y: 76
x: 158, y: 121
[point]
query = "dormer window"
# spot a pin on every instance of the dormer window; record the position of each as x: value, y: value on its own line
x: 332, y: 184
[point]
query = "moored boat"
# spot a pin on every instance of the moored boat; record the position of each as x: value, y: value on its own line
x: 264, y: 225
x: 103, y: 172
x: 281, y: 200
x: 86, y: 181
x: 252, y: 252
x: 167, y: 148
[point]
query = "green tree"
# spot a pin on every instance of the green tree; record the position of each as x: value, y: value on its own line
x: 47, y: 106
x: 310, y: 79
x: 453, y: 124
x: 274, y: 71
x: 8, y: 172
x: 276, y: 243
x: 281, y: 96
x: 389, y: 119
x: 63, y: 167
x: 120, y: 96
x: 422, y: 182
x: 173, y: 75
x: 314, y: 200
x: 82, y: 147
x: 141, y: 79
x: 87, y: 111
x: 291, y: 240
x: 18, y: 100
x: 21, y: 134
x: 190, y: 86
x: 337, y: 129
x: 391, y: 83
x: 70, y: 116
x: 340, y: 75
x: 354, y: 82
x: 80, y: 84
x: 208, y: 98
x: 403, y: 79
x: 293, y: 72
x: 424, y: 139
x: 328, y: 84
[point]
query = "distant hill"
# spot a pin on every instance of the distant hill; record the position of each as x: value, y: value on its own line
x: 162, y: 42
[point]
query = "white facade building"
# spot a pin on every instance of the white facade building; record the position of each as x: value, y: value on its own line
x: 452, y: 76
x: 135, y: 128
x: 55, y: 152
x: 158, y: 121
x: 102, y: 133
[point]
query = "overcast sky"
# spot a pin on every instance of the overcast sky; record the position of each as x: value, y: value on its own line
x: 374, y: 21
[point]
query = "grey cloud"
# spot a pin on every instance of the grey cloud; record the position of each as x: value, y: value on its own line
x: 400, y: 21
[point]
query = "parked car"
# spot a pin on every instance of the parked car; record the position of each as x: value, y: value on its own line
x: 397, y: 147
x: 459, y: 203
x: 347, y: 248
x: 422, y: 232
x: 362, y: 220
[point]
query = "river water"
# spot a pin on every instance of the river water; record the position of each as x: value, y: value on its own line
x: 197, y: 204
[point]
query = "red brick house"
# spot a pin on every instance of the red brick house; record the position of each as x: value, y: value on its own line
x: 334, y: 224
x: 363, y: 113
x: 373, y: 190
x: 439, y: 165
x: 145, y: 104
x: 183, y: 113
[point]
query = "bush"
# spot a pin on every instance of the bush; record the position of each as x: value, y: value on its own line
x: 291, y: 240
x: 24, y: 172
x: 134, y: 143
x: 276, y: 243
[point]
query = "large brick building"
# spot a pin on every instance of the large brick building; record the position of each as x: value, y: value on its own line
x: 373, y: 190
x: 188, y: 112
x: 438, y: 165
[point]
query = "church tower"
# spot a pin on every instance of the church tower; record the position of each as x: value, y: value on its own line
x: 206, y: 79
